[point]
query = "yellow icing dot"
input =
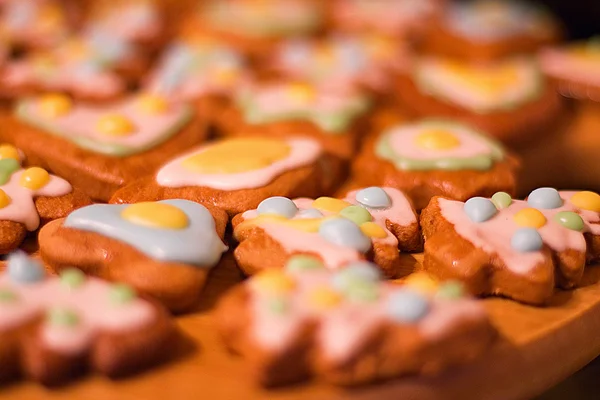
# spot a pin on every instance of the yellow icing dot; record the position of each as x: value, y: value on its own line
x: 422, y: 283
x: 226, y: 76
x: 325, y: 55
x: 302, y: 92
x: 153, y: 104
x: 4, y: 199
x: 530, y: 218
x: 310, y: 225
x: 274, y: 281
x: 489, y: 80
x: 34, y: 178
x: 586, y: 201
x: 371, y: 229
x: 115, y: 125
x: 8, y: 151
x: 156, y: 215
x: 324, y: 298
x: 437, y: 139
x: 77, y: 49
x: 54, y: 105
x: 330, y: 204
x: 233, y: 156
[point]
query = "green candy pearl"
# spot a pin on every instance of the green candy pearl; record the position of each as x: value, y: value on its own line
x: 501, y: 200
x: 7, y: 296
x: 362, y: 291
x: 278, y: 306
x: 451, y: 290
x: 570, y: 220
x: 62, y: 317
x: 356, y: 214
x: 121, y: 294
x: 303, y: 263
x: 7, y: 167
x: 72, y: 278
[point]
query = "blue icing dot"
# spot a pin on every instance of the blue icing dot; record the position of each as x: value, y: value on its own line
x: 545, y: 198
x: 109, y: 47
x: 197, y: 244
x: 479, y: 209
x: 526, y: 239
x: 406, y: 305
x: 310, y: 213
x: 278, y: 206
x: 345, y: 233
x: 373, y: 197
x: 360, y: 271
x: 23, y: 269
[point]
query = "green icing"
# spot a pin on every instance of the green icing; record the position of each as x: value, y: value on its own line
x: 482, y: 162
x: 7, y: 167
x: 303, y: 262
x: 62, y: 317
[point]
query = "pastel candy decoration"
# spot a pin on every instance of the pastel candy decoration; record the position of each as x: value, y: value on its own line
x: 8, y: 151
x: 7, y: 167
x: 530, y: 218
x: 373, y: 197
x: 274, y: 282
x: 526, y: 240
x: 55, y: 105
x: 353, y: 273
x: 303, y: 263
x: 62, y: 317
x: 545, y: 198
x: 8, y: 296
x: 34, y: 178
x: 421, y: 282
x: 115, y: 125
x: 156, y: 215
x: 72, y: 278
x: 501, y: 200
x: 356, y: 214
x: 324, y: 298
x: 344, y: 233
x: 362, y: 291
x: 407, y: 306
x: 451, y: 290
x: 153, y: 104
x: 437, y: 139
x: 373, y: 230
x: 330, y: 204
x: 570, y: 220
x: 479, y: 209
x: 4, y: 199
x: 121, y: 293
x: 586, y: 201
x: 277, y: 205
x: 22, y: 269
x: 310, y: 213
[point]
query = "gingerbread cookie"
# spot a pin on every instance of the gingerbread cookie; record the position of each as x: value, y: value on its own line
x: 513, y: 248
x: 348, y: 327
x: 430, y: 157
x: 55, y: 328
x: 163, y: 249
x: 488, y: 30
x: 101, y: 148
x: 509, y: 99
x: 235, y: 174
x: 371, y: 223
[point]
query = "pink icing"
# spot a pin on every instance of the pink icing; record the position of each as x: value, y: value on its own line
x: 133, y: 21
x: 90, y: 302
x: 562, y: 65
x: 174, y: 174
x: 33, y: 30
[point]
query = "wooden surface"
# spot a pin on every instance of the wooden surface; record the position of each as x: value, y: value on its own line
x: 539, y: 348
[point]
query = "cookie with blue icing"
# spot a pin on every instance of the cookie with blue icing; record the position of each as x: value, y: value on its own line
x: 164, y: 249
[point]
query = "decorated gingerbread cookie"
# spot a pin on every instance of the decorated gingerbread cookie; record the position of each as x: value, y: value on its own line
x: 102, y: 147
x: 488, y: 30
x: 163, y: 249
x: 348, y: 327
x: 431, y: 157
x: 513, y: 248
x: 54, y: 328
x: 371, y: 223
x: 235, y: 174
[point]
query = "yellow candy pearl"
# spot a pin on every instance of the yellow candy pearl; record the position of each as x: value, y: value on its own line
x: 530, y: 218
x: 156, y: 215
x: 153, y: 104
x: 4, y: 199
x: 8, y: 151
x: 330, y: 204
x: 115, y: 125
x: 226, y: 76
x: 422, y: 282
x: 586, y: 201
x: 302, y: 92
x: 55, y: 105
x: 437, y: 140
x: 34, y: 178
x: 372, y: 230
x: 274, y: 281
x: 324, y: 298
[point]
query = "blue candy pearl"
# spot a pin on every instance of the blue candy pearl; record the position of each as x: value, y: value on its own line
x: 310, y: 213
x: 345, y: 233
x: 373, y: 197
x: 360, y: 271
x: 22, y: 269
x: 278, y: 206
x: 479, y: 209
x: 526, y: 239
x: 545, y: 198
x: 405, y: 305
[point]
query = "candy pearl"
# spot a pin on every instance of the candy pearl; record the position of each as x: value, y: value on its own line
x: 278, y: 205
x: 7, y: 296
x: 62, y: 317
x: 405, y: 305
x: 274, y: 281
x: 330, y: 204
x: 22, y: 269
x: 570, y: 220
x: 545, y: 198
x: 501, y: 200
x: 115, y: 125
x: 7, y: 167
x: 421, y: 282
x: 360, y: 271
x: 451, y: 290
x: 526, y: 239
x: 34, y: 178
x: 324, y: 298
x: 586, y: 201
x: 156, y: 215
x: 372, y: 230
x: 72, y: 278
x: 373, y: 197
x: 54, y: 105
x: 121, y: 294
x: 479, y: 209
x: 303, y: 263
x: 437, y: 140
x: 310, y: 213
x: 302, y: 93
x: 153, y: 104
x: 356, y: 214
x: 530, y: 218
x: 344, y: 233
x: 4, y: 199
x: 8, y: 151
x: 278, y: 305
x: 362, y: 291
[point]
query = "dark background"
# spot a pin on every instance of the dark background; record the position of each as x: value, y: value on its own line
x: 580, y: 17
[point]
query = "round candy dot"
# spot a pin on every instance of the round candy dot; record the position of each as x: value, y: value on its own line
x: 121, y: 294
x: 301, y: 92
x: 310, y: 225
x: 72, y: 278
x: 373, y: 197
x: 34, y: 178
x: 310, y: 213
x: 344, y: 233
x: 156, y: 215
x: 4, y: 199
x: 361, y: 271
x: 274, y: 281
x: 278, y: 205
x: 54, y: 105
x: 480, y: 209
x: 421, y: 282
x: 303, y: 263
x: 22, y: 269
x: 526, y: 239
x: 8, y: 151
x: 362, y: 291
x: 437, y: 140
x: 330, y: 204
x: 7, y: 296
x: 372, y: 230
x: 115, y: 125
x: 501, y: 200
x: 450, y: 290
x: 7, y: 167
x: 570, y: 220
x: 356, y: 214
x: 586, y: 201
x: 545, y: 198
x: 324, y: 298
x: 153, y: 104
x: 62, y: 317
x: 530, y: 218
x: 278, y: 305
x: 405, y: 305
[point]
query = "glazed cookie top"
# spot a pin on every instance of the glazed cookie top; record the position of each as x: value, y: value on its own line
x: 338, y: 231
x: 579, y: 62
x: 169, y: 230
x: 133, y: 20
x: 333, y: 111
x: 517, y: 231
x: 35, y: 23
x: 75, y: 309
x: 239, y: 163
x: 263, y: 18
x: 283, y: 301
x: 504, y: 85
x: 437, y: 145
x: 118, y: 129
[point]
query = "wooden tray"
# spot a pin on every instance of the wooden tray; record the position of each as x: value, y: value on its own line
x: 539, y: 348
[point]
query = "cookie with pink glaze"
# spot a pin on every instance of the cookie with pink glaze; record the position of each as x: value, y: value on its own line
x: 372, y: 223
x: 52, y: 329
x: 348, y: 327
x: 513, y: 248
x: 101, y: 148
